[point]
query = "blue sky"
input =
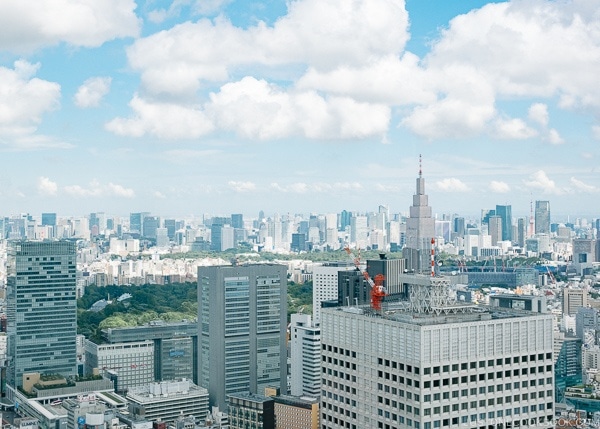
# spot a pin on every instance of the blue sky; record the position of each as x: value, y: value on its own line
x: 212, y: 106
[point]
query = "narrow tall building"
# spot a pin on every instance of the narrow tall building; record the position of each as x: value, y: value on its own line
x: 420, y: 230
x: 542, y: 217
x: 305, y: 352
x: 242, y: 317
x: 505, y: 212
x: 41, y: 309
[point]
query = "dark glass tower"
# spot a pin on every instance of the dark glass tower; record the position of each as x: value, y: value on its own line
x: 505, y: 212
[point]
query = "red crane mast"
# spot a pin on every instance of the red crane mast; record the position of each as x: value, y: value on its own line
x: 377, y: 289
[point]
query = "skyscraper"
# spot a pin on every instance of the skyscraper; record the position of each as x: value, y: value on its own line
x: 242, y: 316
x: 542, y: 217
x: 505, y: 212
x: 420, y: 230
x: 436, y: 363
x: 41, y: 309
x: 495, y: 229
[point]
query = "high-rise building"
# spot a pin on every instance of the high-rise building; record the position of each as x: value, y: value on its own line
x: 325, y: 284
x: 41, y: 309
x: 568, y: 365
x: 136, y: 222
x: 573, y: 299
x: 542, y: 217
x: 459, y: 226
x: 305, y: 352
x: 49, y: 219
x: 495, y: 229
x: 242, y: 316
x: 420, y: 230
x: 521, y: 232
x: 436, y: 363
x: 150, y: 225
x: 237, y: 220
x: 505, y: 212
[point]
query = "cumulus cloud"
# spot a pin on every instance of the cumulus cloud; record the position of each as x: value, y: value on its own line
x: 499, y: 187
x: 164, y: 120
x: 177, y: 60
x: 92, y: 91
x: 317, y: 187
x: 25, y: 99
x: 46, y: 186
x: 86, y: 23
x: 554, y: 137
x: 540, y: 181
x: 256, y: 109
x: 538, y: 113
x: 528, y: 49
x: 96, y: 189
x: 242, y: 186
x: 451, y: 184
x: 514, y: 129
x: 584, y: 187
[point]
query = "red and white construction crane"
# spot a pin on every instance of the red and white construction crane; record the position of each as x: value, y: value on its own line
x: 377, y: 289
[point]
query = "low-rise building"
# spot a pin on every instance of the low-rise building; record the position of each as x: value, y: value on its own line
x: 168, y: 400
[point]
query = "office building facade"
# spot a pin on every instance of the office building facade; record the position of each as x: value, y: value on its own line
x: 325, y: 284
x: 41, y: 299
x: 242, y: 316
x: 305, y: 353
x: 436, y: 363
x: 542, y: 217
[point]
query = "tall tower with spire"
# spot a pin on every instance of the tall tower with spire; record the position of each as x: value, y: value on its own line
x: 420, y: 229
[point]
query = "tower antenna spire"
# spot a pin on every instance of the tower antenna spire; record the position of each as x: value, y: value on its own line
x: 420, y: 166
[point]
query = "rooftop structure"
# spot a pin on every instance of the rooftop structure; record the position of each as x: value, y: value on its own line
x: 168, y: 400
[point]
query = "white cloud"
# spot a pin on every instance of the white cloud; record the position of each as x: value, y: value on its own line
x: 159, y: 195
x: 25, y: 99
x: 96, y: 189
x: 164, y: 120
x: 317, y: 187
x: 538, y: 113
x: 515, y: 129
x: 88, y: 23
x: 499, y: 187
x: 242, y: 186
x: 532, y: 48
x: 540, y: 181
x: 256, y: 109
x: 92, y: 91
x: 451, y: 184
x: 313, y: 32
x: 120, y: 191
x: 46, y: 186
x: 584, y: 187
x: 554, y: 137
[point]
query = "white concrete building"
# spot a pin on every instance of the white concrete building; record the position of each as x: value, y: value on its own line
x: 435, y: 363
x: 305, y: 344
x: 325, y: 284
x: 131, y: 363
x: 168, y: 400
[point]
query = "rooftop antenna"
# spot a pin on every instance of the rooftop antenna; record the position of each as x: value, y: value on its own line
x: 420, y: 166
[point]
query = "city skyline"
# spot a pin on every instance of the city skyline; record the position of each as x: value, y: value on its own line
x: 191, y: 107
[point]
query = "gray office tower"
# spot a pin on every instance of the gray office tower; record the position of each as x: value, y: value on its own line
x: 41, y: 309
x: 542, y: 217
x: 242, y: 317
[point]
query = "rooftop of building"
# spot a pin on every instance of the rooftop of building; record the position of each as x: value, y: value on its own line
x: 252, y: 397
x: 430, y: 303
x: 165, y: 389
x: 295, y: 401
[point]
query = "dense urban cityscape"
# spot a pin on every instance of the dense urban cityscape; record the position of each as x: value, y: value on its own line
x: 299, y: 214
x: 452, y: 322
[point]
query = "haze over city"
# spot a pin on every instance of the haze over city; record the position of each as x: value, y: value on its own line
x: 187, y: 107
